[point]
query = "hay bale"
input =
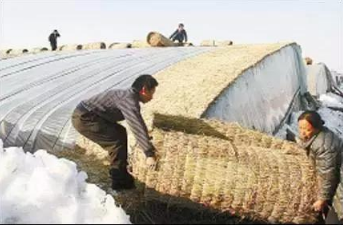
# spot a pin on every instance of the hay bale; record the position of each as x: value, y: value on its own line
x: 16, y: 52
x: 269, y: 184
x: 308, y: 61
x: 208, y: 43
x: 72, y: 47
x: 187, y: 44
x: 39, y: 49
x: 156, y: 39
x: 140, y: 44
x: 95, y: 45
x: 117, y: 45
x: 223, y: 43
x: 206, y: 164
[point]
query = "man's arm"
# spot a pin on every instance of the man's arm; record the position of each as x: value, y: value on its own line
x: 138, y: 127
x: 328, y: 173
x: 172, y: 36
x: 185, y: 33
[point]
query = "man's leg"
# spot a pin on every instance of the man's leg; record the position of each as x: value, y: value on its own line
x: 53, y: 46
x: 113, y: 138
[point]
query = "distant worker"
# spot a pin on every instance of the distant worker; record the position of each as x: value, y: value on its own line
x: 180, y: 34
x: 53, y: 40
x: 97, y: 119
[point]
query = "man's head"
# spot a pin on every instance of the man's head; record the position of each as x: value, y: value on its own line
x: 55, y: 31
x: 181, y: 26
x: 310, y: 123
x: 145, y: 85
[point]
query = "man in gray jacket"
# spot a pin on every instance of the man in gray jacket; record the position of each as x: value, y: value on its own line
x: 97, y: 119
x: 324, y: 148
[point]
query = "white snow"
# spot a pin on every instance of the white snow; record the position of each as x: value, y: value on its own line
x: 40, y: 188
x: 331, y: 100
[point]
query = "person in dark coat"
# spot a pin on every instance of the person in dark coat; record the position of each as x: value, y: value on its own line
x: 180, y: 34
x: 97, y: 119
x: 324, y: 148
x: 53, y: 39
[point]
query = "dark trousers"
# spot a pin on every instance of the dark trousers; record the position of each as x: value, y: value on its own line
x: 179, y: 38
x: 110, y: 136
x: 53, y: 45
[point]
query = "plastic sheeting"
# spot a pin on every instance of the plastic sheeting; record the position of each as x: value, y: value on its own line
x: 320, y: 79
x: 38, y: 93
x: 263, y: 96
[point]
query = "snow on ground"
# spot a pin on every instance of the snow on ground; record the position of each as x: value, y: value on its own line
x: 40, y: 188
x: 331, y: 100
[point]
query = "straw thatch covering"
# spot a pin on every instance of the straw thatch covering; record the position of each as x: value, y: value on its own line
x: 95, y: 45
x: 208, y: 43
x: 140, y: 44
x: 156, y: 39
x: 189, y: 87
x: 239, y: 171
x: 224, y: 167
x: 117, y: 45
x: 72, y: 47
x: 308, y: 61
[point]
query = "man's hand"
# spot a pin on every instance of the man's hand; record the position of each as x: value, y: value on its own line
x: 319, y: 205
x: 151, y: 163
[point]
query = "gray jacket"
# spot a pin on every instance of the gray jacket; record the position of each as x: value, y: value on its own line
x: 325, y: 150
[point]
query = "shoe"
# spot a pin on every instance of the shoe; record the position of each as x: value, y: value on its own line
x: 122, y: 180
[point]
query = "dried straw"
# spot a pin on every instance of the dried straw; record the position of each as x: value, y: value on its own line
x: 72, y: 47
x: 156, y: 39
x: 95, y: 45
x: 117, y: 45
x: 238, y: 171
x: 190, y: 86
x: 224, y: 43
x: 140, y: 44
x: 206, y: 164
x: 39, y: 49
x: 308, y: 61
x: 208, y: 43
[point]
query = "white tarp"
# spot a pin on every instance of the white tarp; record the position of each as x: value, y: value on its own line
x: 39, y: 92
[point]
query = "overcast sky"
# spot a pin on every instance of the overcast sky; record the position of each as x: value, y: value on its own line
x: 314, y: 24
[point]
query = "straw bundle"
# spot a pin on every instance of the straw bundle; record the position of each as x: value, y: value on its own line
x: 16, y: 52
x: 158, y: 40
x: 227, y: 174
x: 37, y: 50
x: 187, y: 44
x: 208, y: 43
x: 70, y: 47
x: 308, y: 61
x: 117, y: 45
x: 95, y: 45
x: 3, y: 53
x: 140, y: 44
x: 221, y: 166
x: 223, y: 43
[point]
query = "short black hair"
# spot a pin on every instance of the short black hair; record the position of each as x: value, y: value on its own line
x: 181, y: 25
x: 313, y: 118
x: 144, y: 80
